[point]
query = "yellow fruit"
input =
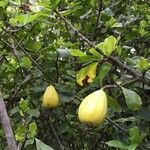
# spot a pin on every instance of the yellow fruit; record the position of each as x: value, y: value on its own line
x: 50, y: 98
x: 93, y: 108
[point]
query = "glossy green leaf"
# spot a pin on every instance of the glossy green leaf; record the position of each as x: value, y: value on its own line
x: 14, y: 110
x: 34, y: 113
x: 95, y: 53
x: 104, y: 69
x: 23, y: 19
x: 143, y: 64
x: 34, y: 46
x: 93, y: 2
x: 33, y: 128
x: 77, y: 52
x: 87, y: 58
x: 135, y: 135
x: 132, y: 99
x: 24, y: 104
x: 29, y: 142
x: 114, y: 104
x: 21, y: 133
x: 121, y: 145
x: 108, y: 46
x: 3, y: 3
x: 26, y: 62
x: 41, y: 146
x: 116, y: 144
x: 54, y: 3
x: 112, y: 22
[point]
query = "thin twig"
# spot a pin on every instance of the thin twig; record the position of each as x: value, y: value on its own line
x: 110, y: 86
x: 115, y: 124
x: 14, y: 50
x: 113, y: 60
x: 99, y: 11
x: 55, y: 134
x: 33, y: 61
x: 74, y: 29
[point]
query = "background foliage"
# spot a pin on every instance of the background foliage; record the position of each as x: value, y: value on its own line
x: 39, y: 48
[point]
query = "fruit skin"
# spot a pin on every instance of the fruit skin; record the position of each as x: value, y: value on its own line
x: 93, y: 108
x: 50, y: 97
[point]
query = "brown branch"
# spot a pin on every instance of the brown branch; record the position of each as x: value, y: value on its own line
x: 113, y: 60
x: 110, y: 86
x: 8, y: 29
x: 74, y: 29
x: 4, y: 119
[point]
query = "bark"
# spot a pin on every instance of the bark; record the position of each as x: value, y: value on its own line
x: 5, y: 122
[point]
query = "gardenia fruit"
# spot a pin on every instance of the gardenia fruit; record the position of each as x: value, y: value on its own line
x: 93, y: 108
x: 50, y: 98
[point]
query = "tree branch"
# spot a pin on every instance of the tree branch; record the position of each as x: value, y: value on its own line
x: 116, y: 125
x: 113, y: 60
x: 99, y: 11
x: 4, y: 119
x: 33, y: 61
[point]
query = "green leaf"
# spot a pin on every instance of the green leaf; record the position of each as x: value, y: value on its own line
x: 34, y: 113
x: 33, y: 128
x: 143, y: 64
x: 87, y: 58
x: 93, y: 2
x: 108, y: 46
x: 135, y: 135
x: 22, y: 20
x: 34, y: 46
x: 111, y: 22
x: 66, y: 96
x: 26, y: 62
x: 114, y: 104
x: 132, y: 99
x: 116, y: 144
x: 95, y: 53
x: 86, y: 74
x: 14, y: 110
x: 21, y: 133
x: 54, y: 3
x: 3, y: 3
x: 121, y: 145
x: 77, y: 52
x: 104, y: 69
x: 41, y: 146
x: 24, y: 104
x: 29, y: 142
x: 132, y: 147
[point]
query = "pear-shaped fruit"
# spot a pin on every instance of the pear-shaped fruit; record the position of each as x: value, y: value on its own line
x: 50, y: 98
x: 93, y: 108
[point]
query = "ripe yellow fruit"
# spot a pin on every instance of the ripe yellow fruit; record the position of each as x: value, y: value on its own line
x: 50, y: 98
x: 93, y: 108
